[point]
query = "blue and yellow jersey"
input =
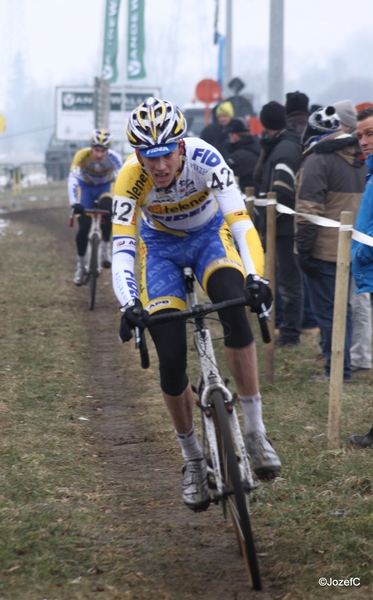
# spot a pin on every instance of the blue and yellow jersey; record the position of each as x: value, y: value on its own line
x: 84, y: 169
x: 204, y: 186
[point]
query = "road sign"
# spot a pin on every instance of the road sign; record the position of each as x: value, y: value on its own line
x: 208, y: 91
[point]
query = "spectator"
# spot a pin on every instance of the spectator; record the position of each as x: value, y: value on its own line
x: 361, y: 343
x: 362, y: 254
x: 330, y: 180
x: 296, y: 108
x: 216, y: 133
x: 281, y: 159
x: 244, y: 150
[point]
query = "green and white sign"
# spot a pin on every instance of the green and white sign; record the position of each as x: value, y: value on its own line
x: 135, y: 40
x: 109, y: 60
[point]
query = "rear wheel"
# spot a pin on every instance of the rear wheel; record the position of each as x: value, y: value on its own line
x: 237, y: 500
x: 92, y: 272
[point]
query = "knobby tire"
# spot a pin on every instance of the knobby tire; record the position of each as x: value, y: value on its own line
x: 92, y: 273
x: 237, y: 500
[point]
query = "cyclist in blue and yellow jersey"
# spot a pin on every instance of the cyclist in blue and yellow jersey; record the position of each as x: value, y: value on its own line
x: 92, y: 174
x: 193, y: 214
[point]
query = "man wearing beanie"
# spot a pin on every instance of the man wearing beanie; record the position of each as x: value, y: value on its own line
x: 216, y: 133
x: 281, y: 151
x: 330, y: 181
x: 361, y: 343
x: 244, y: 150
x: 296, y: 109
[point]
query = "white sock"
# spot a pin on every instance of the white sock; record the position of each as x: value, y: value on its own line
x: 252, y: 413
x: 81, y: 260
x: 190, y: 447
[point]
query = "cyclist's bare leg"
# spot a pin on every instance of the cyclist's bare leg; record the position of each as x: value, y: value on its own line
x: 180, y: 409
x: 243, y: 366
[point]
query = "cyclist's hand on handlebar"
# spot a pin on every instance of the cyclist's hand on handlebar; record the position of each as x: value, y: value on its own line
x: 133, y: 316
x: 78, y: 208
x: 258, y: 294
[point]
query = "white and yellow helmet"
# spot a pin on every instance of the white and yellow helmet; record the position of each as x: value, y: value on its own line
x: 154, y: 125
x: 101, y: 137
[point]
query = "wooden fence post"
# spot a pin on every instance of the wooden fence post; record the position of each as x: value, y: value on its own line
x: 250, y: 197
x: 270, y: 270
x: 339, y: 328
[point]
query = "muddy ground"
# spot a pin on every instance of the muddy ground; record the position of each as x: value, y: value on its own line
x: 176, y: 554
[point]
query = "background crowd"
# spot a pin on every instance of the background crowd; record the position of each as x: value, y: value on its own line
x: 311, y: 158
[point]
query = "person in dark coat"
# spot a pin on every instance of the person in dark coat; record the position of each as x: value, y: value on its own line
x: 296, y: 108
x: 331, y: 180
x: 216, y: 133
x: 281, y: 154
x: 244, y: 150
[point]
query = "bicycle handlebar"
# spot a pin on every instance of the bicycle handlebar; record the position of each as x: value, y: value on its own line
x: 205, y: 309
x: 89, y: 211
x: 196, y: 311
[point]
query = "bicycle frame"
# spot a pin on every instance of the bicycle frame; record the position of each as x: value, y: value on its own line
x: 210, y: 381
x: 94, y: 233
x: 93, y: 255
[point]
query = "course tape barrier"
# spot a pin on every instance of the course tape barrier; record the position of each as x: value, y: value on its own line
x: 358, y: 236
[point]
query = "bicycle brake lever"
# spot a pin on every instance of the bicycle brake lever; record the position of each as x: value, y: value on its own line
x: 137, y: 337
x: 263, y: 319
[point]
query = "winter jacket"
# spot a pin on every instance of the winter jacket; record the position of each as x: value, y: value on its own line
x: 331, y: 180
x: 362, y: 255
x: 282, y: 154
x: 217, y: 136
x: 242, y: 158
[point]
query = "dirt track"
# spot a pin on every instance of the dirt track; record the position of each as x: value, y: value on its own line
x: 174, y: 554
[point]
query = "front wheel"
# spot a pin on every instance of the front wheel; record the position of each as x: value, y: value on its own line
x: 92, y: 272
x: 235, y: 495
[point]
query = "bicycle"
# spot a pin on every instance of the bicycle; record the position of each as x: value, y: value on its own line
x: 93, y: 255
x: 229, y: 474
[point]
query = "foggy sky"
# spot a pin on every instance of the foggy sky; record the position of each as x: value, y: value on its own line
x: 327, y: 43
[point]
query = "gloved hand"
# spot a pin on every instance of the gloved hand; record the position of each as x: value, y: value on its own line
x: 308, y: 265
x: 78, y: 208
x: 258, y: 293
x: 133, y: 316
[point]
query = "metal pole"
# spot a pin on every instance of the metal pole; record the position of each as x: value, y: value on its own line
x: 276, y: 52
x: 227, y: 50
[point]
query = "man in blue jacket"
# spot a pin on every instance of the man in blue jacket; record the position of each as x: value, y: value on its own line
x: 362, y: 254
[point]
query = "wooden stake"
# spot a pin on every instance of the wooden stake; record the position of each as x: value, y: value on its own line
x: 250, y: 197
x: 339, y: 328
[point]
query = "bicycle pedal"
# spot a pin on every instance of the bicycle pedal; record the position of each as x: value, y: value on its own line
x: 247, y: 488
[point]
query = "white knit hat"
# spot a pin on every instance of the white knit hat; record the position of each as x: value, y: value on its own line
x: 346, y: 112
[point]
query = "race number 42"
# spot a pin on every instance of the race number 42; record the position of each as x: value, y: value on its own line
x: 123, y: 210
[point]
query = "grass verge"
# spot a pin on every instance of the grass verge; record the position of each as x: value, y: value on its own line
x: 64, y: 532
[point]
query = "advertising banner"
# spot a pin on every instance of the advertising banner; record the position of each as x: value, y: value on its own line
x: 109, y: 59
x: 135, y: 40
x: 75, y: 110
